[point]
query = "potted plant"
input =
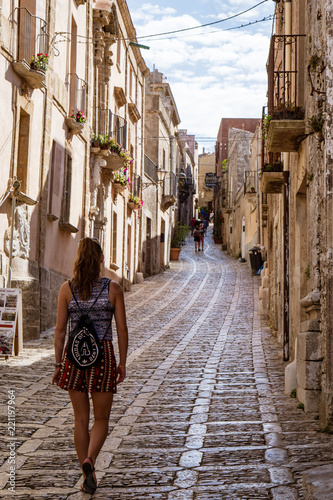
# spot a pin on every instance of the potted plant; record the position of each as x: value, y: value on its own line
x: 104, y: 144
x: 95, y: 143
x: 40, y: 62
x: 178, y: 240
x: 276, y: 166
x: 121, y: 181
x: 79, y: 116
x: 135, y: 203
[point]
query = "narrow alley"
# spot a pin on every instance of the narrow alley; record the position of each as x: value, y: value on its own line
x: 201, y: 415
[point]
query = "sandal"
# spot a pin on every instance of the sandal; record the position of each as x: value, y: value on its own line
x: 89, y: 485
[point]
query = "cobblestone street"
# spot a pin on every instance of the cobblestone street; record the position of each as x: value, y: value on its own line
x: 201, y: 415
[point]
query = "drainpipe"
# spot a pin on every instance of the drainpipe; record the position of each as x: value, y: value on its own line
x: 286, y: 192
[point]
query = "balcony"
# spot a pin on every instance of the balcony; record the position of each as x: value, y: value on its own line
x: 150, y: 168
x: 250, y: 190
x: 77, y: 98
x: 169, y: 196
x: 285, y: 94
x: 113, y: 125
x: 272, y: 178
x: 30, y: 40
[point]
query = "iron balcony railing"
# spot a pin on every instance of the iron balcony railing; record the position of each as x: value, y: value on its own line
x: 30, y: 35
x: 150, y: 168
x: 170, y: 184
x: 250, y: 182
x: 113, y: 125
x: 77, y: 94
x: 285, y: 93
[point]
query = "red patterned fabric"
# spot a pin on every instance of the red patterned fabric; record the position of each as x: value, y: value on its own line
x: 99, y: 378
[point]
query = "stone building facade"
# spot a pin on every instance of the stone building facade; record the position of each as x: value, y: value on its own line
x: 160, y: 180
x: 206, y: 165
x: 297, y: 198
x: 221, y: 193
x: 239, y: 185
x: 187, y: 175
x: 68, y: 73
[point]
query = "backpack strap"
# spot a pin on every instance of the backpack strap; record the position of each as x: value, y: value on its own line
x: 106, y: 284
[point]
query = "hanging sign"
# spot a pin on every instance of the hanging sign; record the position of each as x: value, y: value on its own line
x: 11, y: 335
x: 211, y: 179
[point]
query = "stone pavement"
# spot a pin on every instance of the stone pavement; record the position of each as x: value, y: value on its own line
x: 202, y: 414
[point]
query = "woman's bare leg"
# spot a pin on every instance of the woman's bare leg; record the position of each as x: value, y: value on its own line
x: 80, y: 402
x: 102, y: 402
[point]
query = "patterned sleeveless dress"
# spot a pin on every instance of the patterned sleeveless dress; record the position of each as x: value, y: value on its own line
x: 102, y: 376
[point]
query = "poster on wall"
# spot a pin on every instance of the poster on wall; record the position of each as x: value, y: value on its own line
x: 11, y: 338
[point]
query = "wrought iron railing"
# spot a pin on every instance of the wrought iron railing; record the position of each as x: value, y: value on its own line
x: 150, y: 168
x: 77, y: 91
x: 113, y: 125
x: 250, y: 182
x: 170, y: 184
x: 285, y: 100
x: 30, y: 35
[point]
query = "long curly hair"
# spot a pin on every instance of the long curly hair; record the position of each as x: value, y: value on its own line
x: 87, y: 267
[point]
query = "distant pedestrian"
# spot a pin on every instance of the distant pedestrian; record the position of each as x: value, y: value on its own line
x: 192, y: 223
x: 202, y: 235
x: 103, y: 298
x: 197, y: 236
x: 205, y: 225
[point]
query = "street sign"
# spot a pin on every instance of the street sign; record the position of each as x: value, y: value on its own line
x: 211, y: 179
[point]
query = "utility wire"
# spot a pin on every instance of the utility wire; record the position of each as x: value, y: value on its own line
x: 268, y: 18
x: 201, y: 25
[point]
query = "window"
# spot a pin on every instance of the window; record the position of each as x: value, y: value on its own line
x: 131, y: 84
x: 67, y: 189
x: 56, y: 167
x: 23, y: 148
x: 119, y: 52
x: 114, y: 239
x: 66, y: 201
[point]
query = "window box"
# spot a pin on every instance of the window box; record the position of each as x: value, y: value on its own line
x: 35, y: 78
x: 74, y: 126
x: 118, y: 187
x: 168, y: 201
x: 114, y: 161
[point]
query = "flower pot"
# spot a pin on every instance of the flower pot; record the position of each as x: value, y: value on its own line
x: 132, y: 205
x: 94, y: 150
x: 74, y: 126
x: 174, y: 253
x: 118, y: 187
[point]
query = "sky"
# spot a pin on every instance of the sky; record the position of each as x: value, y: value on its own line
x: 213, y: 72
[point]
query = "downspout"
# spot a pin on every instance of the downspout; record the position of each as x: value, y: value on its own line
x: 286, y: 193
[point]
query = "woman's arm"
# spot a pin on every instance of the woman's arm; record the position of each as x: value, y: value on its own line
x: 117, y: 299
x: 60, y: 329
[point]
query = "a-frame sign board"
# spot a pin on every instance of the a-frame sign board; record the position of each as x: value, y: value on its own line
x: 11, y: 332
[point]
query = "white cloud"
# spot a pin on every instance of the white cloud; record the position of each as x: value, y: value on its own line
x: 212, y: 74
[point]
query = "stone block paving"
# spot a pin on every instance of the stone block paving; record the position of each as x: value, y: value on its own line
x: 202, y: 414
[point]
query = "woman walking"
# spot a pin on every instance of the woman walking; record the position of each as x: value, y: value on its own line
x: 103, y: 298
